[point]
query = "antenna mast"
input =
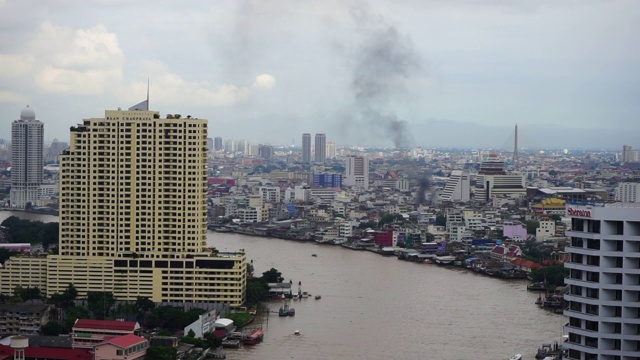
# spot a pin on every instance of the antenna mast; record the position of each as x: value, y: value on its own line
x: 515, y: 150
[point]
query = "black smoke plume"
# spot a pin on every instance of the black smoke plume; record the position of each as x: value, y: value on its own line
x: 384, y: 62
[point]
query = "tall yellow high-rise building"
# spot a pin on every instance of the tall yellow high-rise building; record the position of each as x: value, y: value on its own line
x: 133, y: 216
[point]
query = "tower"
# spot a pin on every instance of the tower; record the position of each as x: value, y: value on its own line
x: 306, y: 148
x: 515, y: 150
x: 320, y: 148
x: 217, y: 143
x: 26, y: 159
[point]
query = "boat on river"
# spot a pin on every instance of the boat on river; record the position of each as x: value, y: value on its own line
x: 516, y: 357
x: 285, y: 310
x: 255, y: 337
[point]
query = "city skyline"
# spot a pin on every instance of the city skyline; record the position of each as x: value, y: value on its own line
x: 431, y: 74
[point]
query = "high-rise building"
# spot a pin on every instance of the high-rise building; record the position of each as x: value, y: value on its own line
x: 320, y: 148
x: 331, y: 150
x: 133, y: 215
x: 306, y: 148
x: 458, y: 187
x: 604, y: 275
x: 629, y: 155
x: 357, y: 171
x: 54, y: 150
x: 217, y: 143
x: 27, y: 135
x: 265, y: 151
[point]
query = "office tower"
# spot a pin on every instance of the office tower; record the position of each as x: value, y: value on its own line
x: 209, y: 144
x: 357, y: 171
x: 306, y: 148
x: 604, y: 275
x: 27, y: 136
x: 331, y: 150
x: 133, y: 215
x: 320, y: 148
x: 265, y: 151
x: 217, y: 143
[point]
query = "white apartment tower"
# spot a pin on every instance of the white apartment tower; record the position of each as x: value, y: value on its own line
x: 357, y: 171
x: 27, y: 136
x: 320, y: 145
x: 133, y: 214
x: 604, y: 282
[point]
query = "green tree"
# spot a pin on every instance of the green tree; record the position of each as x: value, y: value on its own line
x: 100, y: 303
x: 532, y: 250
x: 5, y: 254
x: 553, y: 275
x: 272, y: 276
x: 26, y: 294
x: 257, y: 291
x: 52, y: 328
x: 72, y: 314
x: 161, y: 353
x: 532, y: 225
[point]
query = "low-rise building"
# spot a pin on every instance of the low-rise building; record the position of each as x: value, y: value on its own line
x: 24, y: 318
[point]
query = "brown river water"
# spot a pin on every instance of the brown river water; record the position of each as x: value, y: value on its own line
x: 376, y: 307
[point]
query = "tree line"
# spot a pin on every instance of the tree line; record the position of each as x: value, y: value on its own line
x: 32, y: 232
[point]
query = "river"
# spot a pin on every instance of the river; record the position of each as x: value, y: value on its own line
x: 376, y: 307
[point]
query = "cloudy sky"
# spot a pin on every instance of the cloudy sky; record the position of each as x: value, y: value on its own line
x: 427, y: 73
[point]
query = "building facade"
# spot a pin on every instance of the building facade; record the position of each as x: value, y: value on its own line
x: 458, y: 187
x: 320, y: 147
x: 133, y: 214
x: 628, y: 192
x: 27, y: 135
x: 306, y: 148
x: 357, y: 171
x: 217, y: 143
x: 604, y: 282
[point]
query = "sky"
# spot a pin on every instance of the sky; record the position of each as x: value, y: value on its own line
x: 430, y: 73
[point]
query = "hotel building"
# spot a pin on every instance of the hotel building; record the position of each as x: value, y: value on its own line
x: 133, y: 216
x: 26, y: 159
x: 604, y: 282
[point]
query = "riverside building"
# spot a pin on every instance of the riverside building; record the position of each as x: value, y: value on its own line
x: 604, y: 282
x: 133, y: 216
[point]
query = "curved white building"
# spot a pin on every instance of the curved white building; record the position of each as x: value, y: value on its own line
x: 604, y: 282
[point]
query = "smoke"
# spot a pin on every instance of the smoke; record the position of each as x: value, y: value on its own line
x: 384, y: 61
x: 424, y: 185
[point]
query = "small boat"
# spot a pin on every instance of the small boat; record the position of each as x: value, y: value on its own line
x: 255, y: 337
x: 318, y: 297
x: 314, y: 255
x: 539, y: 301
x: 516, y: 357
x: 305, y: 294
x: 297, y: 332
x: 285, y: 310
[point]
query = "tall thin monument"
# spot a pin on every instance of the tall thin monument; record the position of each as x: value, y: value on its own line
x: 515, y: 150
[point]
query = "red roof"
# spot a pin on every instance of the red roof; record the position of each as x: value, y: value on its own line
x: 125, y: 341
x: 105, y: 325
x: 48, y: 353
